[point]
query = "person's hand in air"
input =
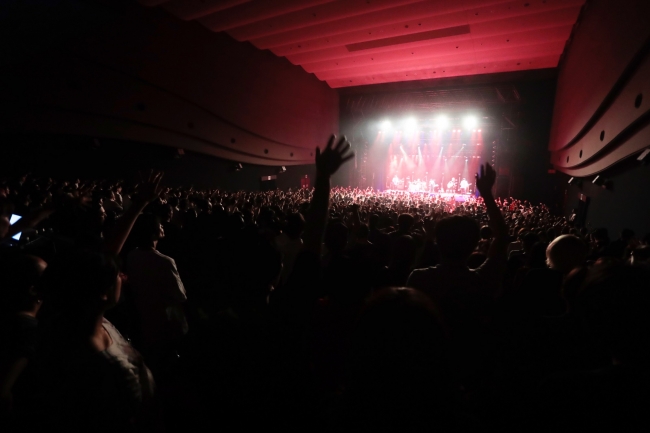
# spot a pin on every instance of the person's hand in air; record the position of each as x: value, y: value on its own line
x: 148, y: 190
x: 485, y: 180
x: 332, y: 157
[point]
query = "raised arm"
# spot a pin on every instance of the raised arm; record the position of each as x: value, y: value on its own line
x: 484, y: 183
x: 327, y: 163
x: 147, y: 192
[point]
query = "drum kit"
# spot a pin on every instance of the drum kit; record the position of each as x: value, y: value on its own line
x: 417, y: 186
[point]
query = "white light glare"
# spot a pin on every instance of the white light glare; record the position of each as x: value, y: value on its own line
x: 442, y: 122
x: 410, y: 124
x: 470, y: 122
x: 385, y: 125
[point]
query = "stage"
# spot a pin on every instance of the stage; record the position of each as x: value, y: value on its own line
x: 459, y: 197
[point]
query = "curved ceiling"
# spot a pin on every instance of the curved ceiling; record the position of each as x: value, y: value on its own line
x: 357, y: 42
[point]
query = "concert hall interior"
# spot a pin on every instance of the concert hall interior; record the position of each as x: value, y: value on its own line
x: 324, y: 216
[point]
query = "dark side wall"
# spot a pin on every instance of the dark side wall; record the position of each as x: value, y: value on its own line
x: 624, y: 203
x: 114, y: 69
x: 70, y: 157
x: 601, y: 118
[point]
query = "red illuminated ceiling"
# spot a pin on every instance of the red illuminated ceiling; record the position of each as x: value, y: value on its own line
x: 356, y: 42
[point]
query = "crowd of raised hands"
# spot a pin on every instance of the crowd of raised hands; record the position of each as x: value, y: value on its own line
x: 130, y: 305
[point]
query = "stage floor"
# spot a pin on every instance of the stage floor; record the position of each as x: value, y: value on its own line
x: 445, y: 195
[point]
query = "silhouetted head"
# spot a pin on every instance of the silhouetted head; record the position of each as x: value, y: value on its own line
x: 486, y: 232
x: 82, y: 282
x: 566, y: 252
x: 147, y: 230
x: 457, y: 237
x: 528, y: 240
x: 19, y: 275
x: 601, y: 236
x: 405, y: 222
x: 627, y: 234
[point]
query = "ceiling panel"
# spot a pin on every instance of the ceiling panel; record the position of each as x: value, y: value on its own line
x: 326, y: 13
x: 433, y: 63
x: 478, y: 47
x: 449, y: 71
x: 356, y: 42
x: 401, y: 21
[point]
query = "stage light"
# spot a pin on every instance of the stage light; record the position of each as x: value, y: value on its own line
x: 410, y: 124
x: 442, y: 122
x: 470, y: 122
x: 385, y: 125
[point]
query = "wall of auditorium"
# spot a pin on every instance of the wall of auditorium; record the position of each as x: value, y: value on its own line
x: 71, y: 157
x: 602, y: 103
x: 117, y: 70
x: 601, y: 119
x: 621, y: 201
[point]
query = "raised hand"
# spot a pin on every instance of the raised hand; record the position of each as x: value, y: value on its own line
x: 485, y: 180
x: 149, y: 190
x: 84, y: 195
x: 330, y: 160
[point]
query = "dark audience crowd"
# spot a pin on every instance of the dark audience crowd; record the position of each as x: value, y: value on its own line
x: 137, y: 307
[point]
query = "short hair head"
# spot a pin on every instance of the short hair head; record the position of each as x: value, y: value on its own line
x: 405, y: 221
x: 457, y: 237
x: 565, y: 253
x: 146, y: 229
x: 79, y: 281
x: 19, y: 275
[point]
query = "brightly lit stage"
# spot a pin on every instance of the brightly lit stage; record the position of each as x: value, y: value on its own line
x: 434, y: 156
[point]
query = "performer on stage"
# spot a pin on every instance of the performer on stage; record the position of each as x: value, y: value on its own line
x: 451, y: 185
x: 396, y: 183
x: 464, y: 185
x: 304, y: 182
